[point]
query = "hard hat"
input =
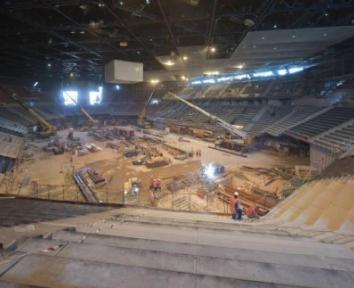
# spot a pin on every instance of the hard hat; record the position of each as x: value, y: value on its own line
x: 236, y: 193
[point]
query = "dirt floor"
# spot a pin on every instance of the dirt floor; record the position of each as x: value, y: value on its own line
x: 45, y: 175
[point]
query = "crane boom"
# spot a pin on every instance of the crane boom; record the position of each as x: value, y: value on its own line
x: 227, y: 126
x: 83, y: 110
x: 45, y: 124
x: 142, y: 114
x: 91, y: 119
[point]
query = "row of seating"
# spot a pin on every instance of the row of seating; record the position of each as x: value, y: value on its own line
x: 321, y: 123
x: 300, y: 122
x: 286, y: 88
x: 297, y: 115
x: 12, y: 127
x: 270, y: 115
x: 338, y: 139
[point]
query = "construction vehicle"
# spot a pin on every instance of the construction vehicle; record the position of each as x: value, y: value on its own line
x: 46, y: 129
x: 142, y: 116
x: 131, y: 189
x: 84, y: 111
x: 157, y: 162
x: 130, y: 152
x: 140, y: 161
x: 71, y: 136
x: 227, y: 126
x: 55, y: 146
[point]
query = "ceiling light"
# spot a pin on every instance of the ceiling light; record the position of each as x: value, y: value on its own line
x: 121, y: 3
x: 263, y: 74
x: 326, y: 14
x: 210, y: 73
x: 35, y: 84
x: 154, y: 81
x: 49, y: 65
x: 184, y: 78
x: 100, y: 4
x: 249, y: 22
x: 72, y: 32
x: 169, y: 63
x: 123, y: 44
x: 72, y: 75
x: 275, y: 26
x: 240, y: 66
x: 295, y: 69
x: 82, y: 32
x: 185, y: 58
x: 209, y: 81
x: 212, y: 49
x: 117, y: 87
x: 282, y: 72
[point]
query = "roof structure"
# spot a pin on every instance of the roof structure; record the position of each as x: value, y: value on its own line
x: 58, y: 39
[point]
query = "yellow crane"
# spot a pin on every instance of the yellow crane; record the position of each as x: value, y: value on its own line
x: 48, y: 128
x: 84, y: 111
x: 142, y: 115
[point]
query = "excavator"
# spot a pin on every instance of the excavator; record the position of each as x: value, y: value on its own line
x: 47, y: 129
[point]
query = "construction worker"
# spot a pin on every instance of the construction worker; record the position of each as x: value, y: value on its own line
x: 251, y: 212
x: 235, y: 207
x: 238, y: 207
x: 155, y: 186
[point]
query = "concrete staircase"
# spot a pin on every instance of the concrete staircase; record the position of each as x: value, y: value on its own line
x: 151, y: 248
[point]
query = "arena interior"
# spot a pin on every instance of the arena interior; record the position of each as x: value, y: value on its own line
x: 128, y: 127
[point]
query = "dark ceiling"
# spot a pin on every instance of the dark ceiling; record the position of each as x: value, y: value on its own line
x: 53, y: 39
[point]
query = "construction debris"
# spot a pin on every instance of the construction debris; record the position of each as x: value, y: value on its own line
x: 157, y: 162
x: 84, y: 185
x: 112, y: 145
x: 95, y: 176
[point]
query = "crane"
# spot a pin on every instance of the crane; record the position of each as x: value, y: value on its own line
x: 227, y: 126
x: 83, y: 110
x: 48, y: 128
x: 142, y: 114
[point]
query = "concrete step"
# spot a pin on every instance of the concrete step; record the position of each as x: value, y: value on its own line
x: 49, y: 271
x: 193, y: 224
x: 5, y: 284
x: 232, y: 239
x: 206, y: 250
x: 171, y: 261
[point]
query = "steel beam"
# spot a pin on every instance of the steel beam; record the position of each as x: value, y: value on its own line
x: 212, y: 23
x: 168, y: 26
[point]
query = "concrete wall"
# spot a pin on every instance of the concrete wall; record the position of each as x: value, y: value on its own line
x: 320, y: 158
